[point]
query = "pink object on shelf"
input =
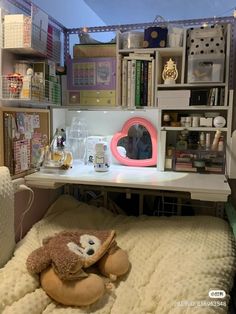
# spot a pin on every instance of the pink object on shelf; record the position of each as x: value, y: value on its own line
x: 124, y: 133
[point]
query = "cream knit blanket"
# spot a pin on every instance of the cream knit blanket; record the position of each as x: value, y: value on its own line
x: 7, y: 234
x: 175, y: 262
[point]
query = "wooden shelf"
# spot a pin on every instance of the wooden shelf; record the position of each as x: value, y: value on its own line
x: 198, y: 108
x: 184, y: 85
x: 172, y: 128
x: 167, y: 51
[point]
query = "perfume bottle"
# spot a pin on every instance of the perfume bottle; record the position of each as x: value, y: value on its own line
x: 55, y: 154
x: 182, y: 143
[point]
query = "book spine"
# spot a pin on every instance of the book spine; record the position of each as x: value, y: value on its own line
x: 129, y: 84
x: 216, y: 100
x: 153, y: 84
x: 138, y: 58
x: 145, y: 82
x: 132, y: 83
x: 222, y: 97
x: 137, y: 84
x: 141, y: 83
x: 124, y: 82
x: 149, y: 93
x: 212, y: 99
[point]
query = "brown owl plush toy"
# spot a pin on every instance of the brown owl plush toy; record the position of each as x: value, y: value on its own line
x: 64, y: 265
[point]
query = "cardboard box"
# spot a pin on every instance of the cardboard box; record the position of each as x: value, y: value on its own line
x: 93, y: 51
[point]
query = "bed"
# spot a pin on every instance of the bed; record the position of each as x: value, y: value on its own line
x: 175, y: 261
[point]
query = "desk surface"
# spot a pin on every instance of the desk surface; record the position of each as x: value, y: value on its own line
x: 209, y: 187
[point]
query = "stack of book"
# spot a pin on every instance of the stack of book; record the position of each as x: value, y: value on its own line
x: 216, y: 96
x: 137, y: 77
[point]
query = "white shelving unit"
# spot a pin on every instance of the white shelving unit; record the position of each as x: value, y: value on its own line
x: 26, y: 96
x: 160, y: 56
x: 29, y: 37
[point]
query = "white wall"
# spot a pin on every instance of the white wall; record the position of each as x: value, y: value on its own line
x: 102, y: 122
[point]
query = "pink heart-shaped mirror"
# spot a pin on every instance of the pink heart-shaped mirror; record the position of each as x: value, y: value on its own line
x: 136, y: 144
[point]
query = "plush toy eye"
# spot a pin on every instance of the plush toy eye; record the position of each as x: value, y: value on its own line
x: 90, y: 252
x: 91, y: 242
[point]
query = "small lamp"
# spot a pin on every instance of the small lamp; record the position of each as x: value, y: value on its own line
x: 170, y: 72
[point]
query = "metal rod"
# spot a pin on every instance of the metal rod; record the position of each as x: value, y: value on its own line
x: 125, y: 27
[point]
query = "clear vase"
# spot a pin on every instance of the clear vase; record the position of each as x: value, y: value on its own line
x: 77, y: 135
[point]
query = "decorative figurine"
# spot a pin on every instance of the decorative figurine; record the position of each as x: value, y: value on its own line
x: 170, y: 72
x: 101, y: 157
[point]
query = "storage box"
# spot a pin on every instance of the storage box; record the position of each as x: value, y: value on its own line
x: 207, y: 122
x: 206, y: 40
x: 100, y: 98
x: 132, y: 40
x: 173, y: 98
x: 206, y: 68
x: 92, y: 74
x: 17, y: 31
x: 155, y: 37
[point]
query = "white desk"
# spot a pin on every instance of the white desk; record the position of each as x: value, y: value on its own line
x: 206, y: 187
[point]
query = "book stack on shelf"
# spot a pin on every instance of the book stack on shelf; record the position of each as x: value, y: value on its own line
x: 216, y: 96
x: 137, y: 79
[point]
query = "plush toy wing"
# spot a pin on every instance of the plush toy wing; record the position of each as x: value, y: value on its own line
x: 66, y: 264
x: 38, y: 260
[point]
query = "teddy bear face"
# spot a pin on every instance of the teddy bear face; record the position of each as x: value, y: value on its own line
x: 87, y: 246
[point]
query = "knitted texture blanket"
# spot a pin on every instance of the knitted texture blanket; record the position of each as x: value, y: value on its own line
x: 175, y: 263
x: 7, y: 234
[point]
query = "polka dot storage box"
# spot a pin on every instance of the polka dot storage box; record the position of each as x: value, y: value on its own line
x: 206, y: 40
x: 206, y: 54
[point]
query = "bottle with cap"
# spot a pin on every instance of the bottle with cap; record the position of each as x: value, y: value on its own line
x: 221, y: 144
x: 208, y: 141
x: 214, y: 145
x: 202, y: 139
